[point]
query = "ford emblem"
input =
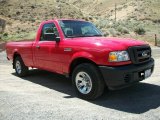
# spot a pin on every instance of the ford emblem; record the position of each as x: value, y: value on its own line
x: 144, y: 54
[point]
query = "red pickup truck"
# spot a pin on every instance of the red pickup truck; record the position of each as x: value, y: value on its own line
x: 77, y: 49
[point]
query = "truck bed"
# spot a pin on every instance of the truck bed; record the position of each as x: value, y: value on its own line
x: 24, y: 48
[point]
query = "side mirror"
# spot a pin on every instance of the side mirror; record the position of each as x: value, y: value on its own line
x: 57, y: 39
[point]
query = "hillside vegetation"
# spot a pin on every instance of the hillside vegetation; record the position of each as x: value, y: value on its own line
x: 138, y: 19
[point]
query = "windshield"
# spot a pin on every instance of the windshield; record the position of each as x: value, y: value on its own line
x: 72, y: 28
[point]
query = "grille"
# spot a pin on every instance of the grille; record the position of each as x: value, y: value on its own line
x: 140, y: 54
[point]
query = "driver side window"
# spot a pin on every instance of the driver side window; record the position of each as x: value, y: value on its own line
x: 49, y: 32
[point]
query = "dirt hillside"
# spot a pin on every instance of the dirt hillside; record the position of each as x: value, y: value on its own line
x: 125, y: 18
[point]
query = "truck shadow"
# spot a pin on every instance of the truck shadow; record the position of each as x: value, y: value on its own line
x: 137, y: 99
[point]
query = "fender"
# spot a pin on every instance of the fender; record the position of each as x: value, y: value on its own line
x: 15, y: 51
x: 77, y: 55
x: 82, y: 55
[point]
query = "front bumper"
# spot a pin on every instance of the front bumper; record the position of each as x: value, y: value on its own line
x: 123, y: 76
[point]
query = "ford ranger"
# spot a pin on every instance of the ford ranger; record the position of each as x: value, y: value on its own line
x: 77, y: 49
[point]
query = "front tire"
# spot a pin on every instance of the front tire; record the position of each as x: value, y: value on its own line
x: 87, y: 81
x: 20, y: 68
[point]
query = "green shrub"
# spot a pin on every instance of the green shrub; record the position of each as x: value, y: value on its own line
x: 102, y: 23
x: 123, y: 30
x: 5, y: 34
x: 140, y: 30
x: 105, y: 32
x: 113, y: 32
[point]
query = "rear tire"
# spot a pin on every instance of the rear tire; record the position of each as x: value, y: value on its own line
x: 19, y: 66
x: 87, y: 81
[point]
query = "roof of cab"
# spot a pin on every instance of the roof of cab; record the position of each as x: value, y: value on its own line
x: 63, y: 19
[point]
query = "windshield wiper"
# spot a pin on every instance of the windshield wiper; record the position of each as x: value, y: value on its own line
x: 73, y: 36
x: 94, y: 35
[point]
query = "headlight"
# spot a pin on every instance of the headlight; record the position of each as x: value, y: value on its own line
x: 118, y: 56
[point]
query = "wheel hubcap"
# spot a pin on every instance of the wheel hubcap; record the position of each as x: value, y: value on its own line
x: 83, y: 82
x: 18, y: 67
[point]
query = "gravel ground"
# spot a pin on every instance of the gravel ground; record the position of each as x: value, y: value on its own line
x: 47, y: 96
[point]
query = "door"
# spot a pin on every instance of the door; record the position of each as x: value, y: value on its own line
x: 47, y: 50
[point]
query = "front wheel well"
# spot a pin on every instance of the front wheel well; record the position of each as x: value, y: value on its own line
x: 77, y: 62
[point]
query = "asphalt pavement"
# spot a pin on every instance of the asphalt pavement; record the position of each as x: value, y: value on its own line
x: 44, y: 95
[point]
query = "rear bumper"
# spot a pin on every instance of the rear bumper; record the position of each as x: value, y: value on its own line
x: 123, y: 76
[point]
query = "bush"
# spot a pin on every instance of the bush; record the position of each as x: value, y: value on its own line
x: 102, y: 23
x: 5, y: 34
x: 123, y: 30
x: 18, y: 13
x: 90, y: 18
x: 113, y: 32
x: 32, y: 19
x: 105, y: 32
x: 139, y: 30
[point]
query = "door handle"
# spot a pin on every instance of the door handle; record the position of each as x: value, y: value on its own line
x: 38, y: 46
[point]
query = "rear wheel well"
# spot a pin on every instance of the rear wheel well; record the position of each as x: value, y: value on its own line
x: 14, y: 56
x: 77, y: 62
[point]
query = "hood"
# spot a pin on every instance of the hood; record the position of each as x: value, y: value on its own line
x: 110, y: 43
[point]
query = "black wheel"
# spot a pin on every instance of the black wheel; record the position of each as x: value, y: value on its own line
x: 20, y: 68
x: 88, y: 81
